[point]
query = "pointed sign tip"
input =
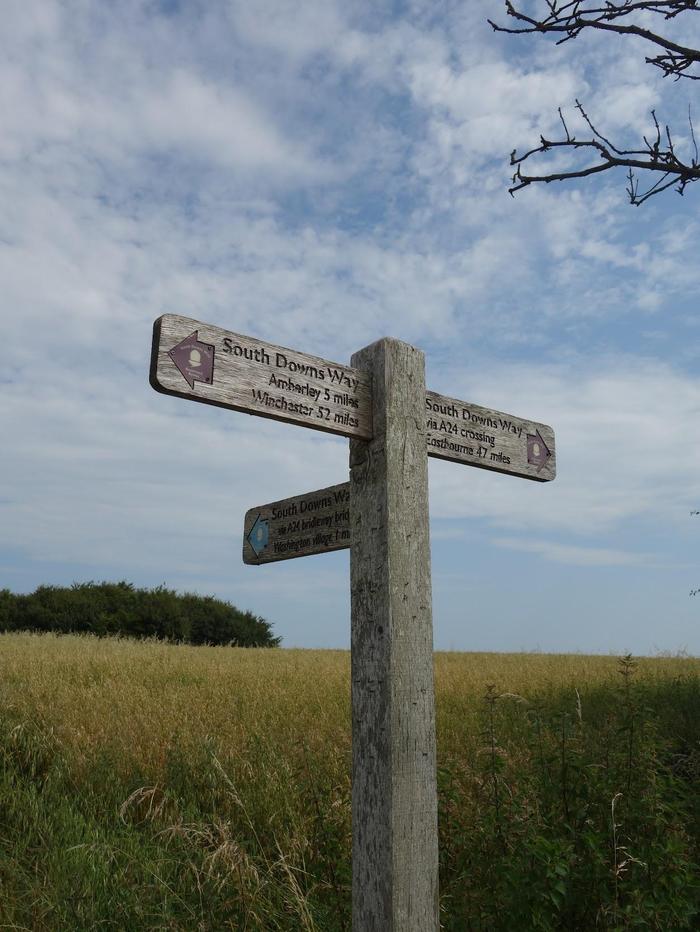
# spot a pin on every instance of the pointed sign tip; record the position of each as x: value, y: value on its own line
x: 537, y: 450
x: 194, y: 360
x: 259, y: 535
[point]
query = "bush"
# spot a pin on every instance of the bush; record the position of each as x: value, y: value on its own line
x: 7, y: 610
x: 118, y: 608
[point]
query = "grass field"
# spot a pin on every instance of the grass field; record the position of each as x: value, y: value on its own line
x: 154, y: 786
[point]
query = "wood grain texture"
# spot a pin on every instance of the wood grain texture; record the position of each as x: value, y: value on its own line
x: 477, y: 436
x: 316, y: 522
x: 394, y: 799
x: 255, y: 377
x: 261, y: 378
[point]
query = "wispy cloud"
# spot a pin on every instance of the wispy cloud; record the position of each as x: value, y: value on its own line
x: 320, y: 175
x: 577, y: 556
x: 627, y: 445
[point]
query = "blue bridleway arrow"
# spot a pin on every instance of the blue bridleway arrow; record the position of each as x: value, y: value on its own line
x: 259, y: 535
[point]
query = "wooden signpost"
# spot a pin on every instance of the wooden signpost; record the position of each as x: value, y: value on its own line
x: 205, y: 363
x: 317, y: 522
x: 380, y: 402
x: 467, y: 433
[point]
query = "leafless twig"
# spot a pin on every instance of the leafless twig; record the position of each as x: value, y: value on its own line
x: 654, y: 156
x: 569, y: 19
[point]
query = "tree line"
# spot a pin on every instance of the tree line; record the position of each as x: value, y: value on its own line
x: 121, y: 609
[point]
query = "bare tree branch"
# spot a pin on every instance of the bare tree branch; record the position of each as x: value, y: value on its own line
x: 653, y: 157
x: 569, y: 18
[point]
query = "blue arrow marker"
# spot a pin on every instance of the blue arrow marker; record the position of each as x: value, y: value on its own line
x: 259, y: 535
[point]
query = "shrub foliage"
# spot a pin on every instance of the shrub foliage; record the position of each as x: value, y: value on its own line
x: 121, y: 609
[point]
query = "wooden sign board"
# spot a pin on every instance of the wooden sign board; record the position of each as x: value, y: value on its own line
x: 202, y: 362
x: 317, y: 522
x: 467, y: 433
x: 205, y: 363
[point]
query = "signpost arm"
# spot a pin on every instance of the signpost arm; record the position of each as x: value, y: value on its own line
x: 394, y: 795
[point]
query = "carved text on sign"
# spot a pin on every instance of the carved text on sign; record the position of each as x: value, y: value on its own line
x: 466, y: 433
x: 316, y: 522
x: 205, y: 363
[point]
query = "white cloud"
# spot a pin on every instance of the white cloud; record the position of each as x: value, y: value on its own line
x: 576, y: 556
x: 285, y: 27
x: 320, y: 175
x: 118, y: 106
x: 627, y: 446
x: 220, y: 125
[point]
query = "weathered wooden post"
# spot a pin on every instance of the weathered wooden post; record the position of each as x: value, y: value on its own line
x: 394, y: 799
x: 381, y: 405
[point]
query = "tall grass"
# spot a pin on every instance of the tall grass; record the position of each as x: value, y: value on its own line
x: 153, y: 786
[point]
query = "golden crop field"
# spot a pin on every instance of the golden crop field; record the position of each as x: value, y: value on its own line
x: 216, y: 781
x: 139, y: 696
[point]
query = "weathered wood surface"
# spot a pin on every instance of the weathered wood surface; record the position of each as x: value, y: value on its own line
x: 394, y: 798
x: 204, y: 363
x: 467, y: 433
x: 316, y: 522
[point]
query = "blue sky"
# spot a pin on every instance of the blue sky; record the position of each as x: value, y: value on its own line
x: 320, y: 174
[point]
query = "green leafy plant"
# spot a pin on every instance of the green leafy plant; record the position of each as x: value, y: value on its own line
x: 121, y: 609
